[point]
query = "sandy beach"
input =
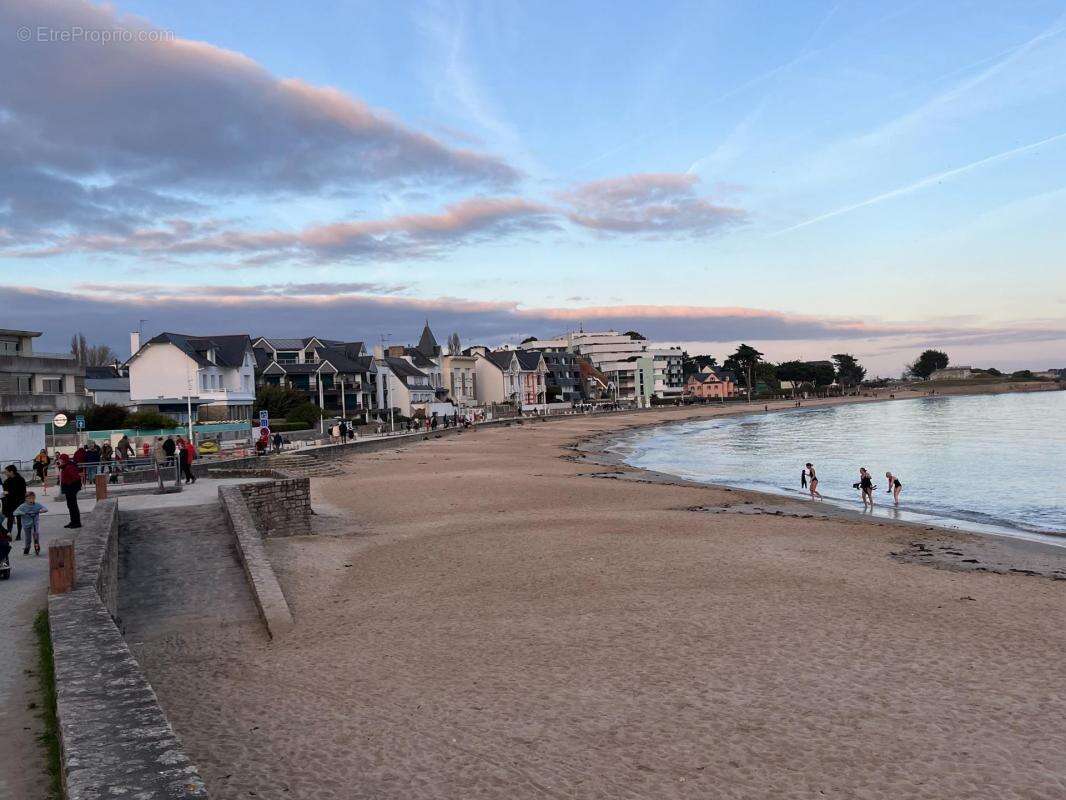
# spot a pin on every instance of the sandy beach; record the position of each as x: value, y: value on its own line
x: 494, y: 615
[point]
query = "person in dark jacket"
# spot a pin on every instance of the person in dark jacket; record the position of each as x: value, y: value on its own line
x: 169, y: 447
x: 14, y: 496
x: 70, y: 485
x: 187, y: 455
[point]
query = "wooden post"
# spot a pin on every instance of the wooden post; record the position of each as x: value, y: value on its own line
x: 101, y: 487
x: 61, y: 566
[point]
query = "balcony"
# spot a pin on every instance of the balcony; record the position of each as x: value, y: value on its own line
x: 40, y: 403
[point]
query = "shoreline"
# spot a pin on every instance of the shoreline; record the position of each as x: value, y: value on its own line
x: 597, y: 448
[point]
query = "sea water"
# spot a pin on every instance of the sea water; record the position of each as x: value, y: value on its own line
x: 994, y: 463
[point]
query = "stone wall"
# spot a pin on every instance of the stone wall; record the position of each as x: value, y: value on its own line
x: 273, y: 608
x: 280, y: 507
x: 115, y: 740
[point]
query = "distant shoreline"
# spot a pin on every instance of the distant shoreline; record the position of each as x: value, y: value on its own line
x: 596, y: 451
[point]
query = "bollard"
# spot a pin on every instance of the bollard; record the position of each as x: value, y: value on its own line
x: 101, y: 487
x: 61, y: 566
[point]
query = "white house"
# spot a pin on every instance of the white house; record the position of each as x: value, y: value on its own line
x: 215, y: 374
x: 511, y: 376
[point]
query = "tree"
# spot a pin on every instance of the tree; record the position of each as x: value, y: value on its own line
x: 279, y: 401
x: 928, y: 362
x: 849, y: 372
x: 150, y: 420
x: 690, y: 365
x: 106, y: 417
x: 97, y: 355
x: 743, y: 362
x: 454, y: 344
x: 529, y: 339
x: 635, y: 336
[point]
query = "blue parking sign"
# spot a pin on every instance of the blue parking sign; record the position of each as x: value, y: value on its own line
x: 80, y: 422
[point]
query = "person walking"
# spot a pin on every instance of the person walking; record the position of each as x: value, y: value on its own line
x: 124, y: 449
x: 187, y: 453
x: 14, y: 496
x: 809, y: 478
x: 160, y: 456
x: 894, y: 486
x: 170, y: 447
x: 277, y: 442
x: 866, y: 486
x: 41, y: 462
x: 70, y: 485
x: 107, y: 458
x: 30, y: 514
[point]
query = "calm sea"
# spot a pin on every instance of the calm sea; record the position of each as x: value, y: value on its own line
x: 994, y: 462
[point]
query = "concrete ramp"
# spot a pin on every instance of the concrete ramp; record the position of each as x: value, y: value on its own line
x: 179, y: 569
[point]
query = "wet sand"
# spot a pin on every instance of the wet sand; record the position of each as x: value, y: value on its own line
x: 484, y: 617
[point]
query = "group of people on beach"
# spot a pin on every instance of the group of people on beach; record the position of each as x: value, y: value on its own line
x: 865, y: 485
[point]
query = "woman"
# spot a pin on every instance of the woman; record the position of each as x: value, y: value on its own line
x: 70, y: 485
x: 188, y: 455
x: 14, y: 496
x: 811, y: 478
x: 41, y: 462
x: 894, y: 486
x: 866, y: 486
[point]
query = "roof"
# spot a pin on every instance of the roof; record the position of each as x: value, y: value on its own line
x: 419, y: 358
x: 427, y: 344
x: 404, y: 370
x: 502, y: 358
x: 287, y: 344
x: 229, y: 348
x: 107, y: 384
x: 10, y: 332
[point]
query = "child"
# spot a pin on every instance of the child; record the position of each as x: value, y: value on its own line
x: 30, y: 513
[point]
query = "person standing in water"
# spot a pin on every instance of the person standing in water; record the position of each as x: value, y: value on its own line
x: 809, y: 478
x: 894, y: 486
x: 866, y: 486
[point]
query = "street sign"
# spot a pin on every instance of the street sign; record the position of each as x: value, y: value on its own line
x: 80, y: 422
x: 264, y: 418
x: 59, y: 420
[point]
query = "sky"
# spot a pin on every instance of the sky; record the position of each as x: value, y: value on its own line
x: 806, y: 177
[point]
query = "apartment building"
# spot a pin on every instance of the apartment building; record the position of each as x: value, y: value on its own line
x: 36, y: 385
x: 336, y: 376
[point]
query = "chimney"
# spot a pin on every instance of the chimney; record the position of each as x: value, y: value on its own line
x: 135, y: 342
x: 379, y: 352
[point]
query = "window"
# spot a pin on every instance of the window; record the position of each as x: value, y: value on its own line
x: 9, y: 347
x: 23, y: 384
x: 203, y: 381
x: 52, y: 385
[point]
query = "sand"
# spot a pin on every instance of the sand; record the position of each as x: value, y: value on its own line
x: 482, y: 617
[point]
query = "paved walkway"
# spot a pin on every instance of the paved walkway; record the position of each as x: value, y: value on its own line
x: 26, y: 593
x: 179, y: 568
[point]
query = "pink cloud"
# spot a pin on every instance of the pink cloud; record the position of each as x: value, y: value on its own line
x: 659, y: 204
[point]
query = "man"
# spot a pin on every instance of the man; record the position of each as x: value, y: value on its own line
x: 187, y: 454
x: 170, y: 447
x: 277, y: 442
x: 159, y: 454
x: 70, y: 485
x: 124, y: 449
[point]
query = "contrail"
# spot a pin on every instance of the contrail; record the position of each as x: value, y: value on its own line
x: 926, y: 181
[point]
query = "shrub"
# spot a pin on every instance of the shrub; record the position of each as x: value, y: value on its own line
x: 279, y: 401
x: 150, y: 420
x: 105, y: 417
x: 307, y: 413
x: 288, y: 426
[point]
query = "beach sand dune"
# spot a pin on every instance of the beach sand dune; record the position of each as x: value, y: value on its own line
x: 503, y: 625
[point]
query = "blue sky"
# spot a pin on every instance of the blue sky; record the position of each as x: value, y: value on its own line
x: 811, y: 177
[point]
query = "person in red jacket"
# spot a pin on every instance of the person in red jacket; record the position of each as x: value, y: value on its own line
x: 188, y: 455
x: 70, y: 485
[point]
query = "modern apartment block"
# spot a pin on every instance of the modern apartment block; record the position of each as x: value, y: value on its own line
x: 35, y: 385
x: 669, y: 373
x: 336, y: 376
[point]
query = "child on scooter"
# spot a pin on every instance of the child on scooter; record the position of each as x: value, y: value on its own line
x: 30, y: 512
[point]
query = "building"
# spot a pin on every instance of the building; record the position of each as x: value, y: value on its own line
x: 518, y: 377
x: 405, y: 387
x: 710, y: 383
x: 107, y: 385
x: 564, y: 384
x: 214, y: 375
x: 952, y: 374
x: 34, y: 386
x: 336, y: 376
x: 631, y: 379
x: 460, y: 378
x: 669, y: 373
